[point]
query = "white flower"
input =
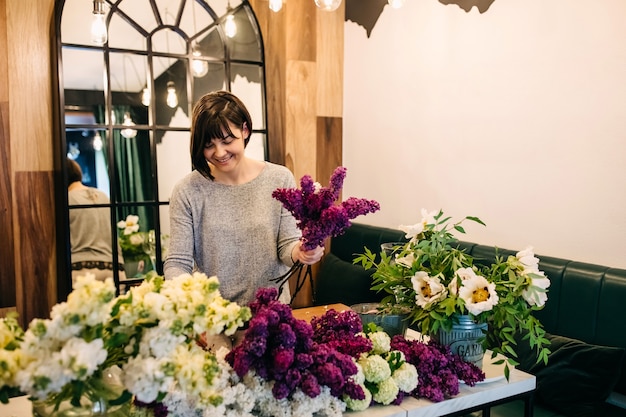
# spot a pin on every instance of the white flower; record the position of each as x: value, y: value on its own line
x: 387, y: 392
x: 479, y: 294
x: 528, y: 259
x: 428, y: 290
x: 406, y: 377
x: 10, y: 363
x: 406, y: 261
x: 130, y: 225
x: 462, y: 274
x: 359, y: 405
x: 375, y: 368
x: 412, y: 231
x: 82, y: 358
x: 535, y: 294
x: 381, y: 342
x: 145, y: 378
x: 136, y: 239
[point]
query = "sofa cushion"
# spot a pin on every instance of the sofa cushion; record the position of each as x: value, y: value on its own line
x: 578, y: 377
x: 339, y: 281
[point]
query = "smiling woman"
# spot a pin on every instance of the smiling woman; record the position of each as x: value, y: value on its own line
x: 134, y: 95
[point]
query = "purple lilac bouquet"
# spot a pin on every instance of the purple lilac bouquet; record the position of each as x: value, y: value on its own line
x: 438, y: 369
x: 318, y: 217
x: 315, y: 210
x: 281, y: 348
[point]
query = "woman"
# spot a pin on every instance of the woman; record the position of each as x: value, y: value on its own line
x: 223, y: 219
x: 90, y: 229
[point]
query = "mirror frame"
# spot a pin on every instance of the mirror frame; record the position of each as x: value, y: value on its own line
x: 64, y: 280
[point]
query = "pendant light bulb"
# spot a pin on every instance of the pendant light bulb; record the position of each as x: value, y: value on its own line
x: 199, y: 67
x: 128, y: 133
x: 328, y: 5
x: 98, y: 26
x: 145, y: 97
x: 172, y: 98
x: 97, y: 142
x: 230, y: 27
x: 276, y: 5
x: 396, y: 4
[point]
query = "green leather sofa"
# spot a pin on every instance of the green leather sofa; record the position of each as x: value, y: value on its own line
x: 585, y: 317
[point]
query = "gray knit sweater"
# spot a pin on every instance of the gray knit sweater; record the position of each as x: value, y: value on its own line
x: 239, y: 233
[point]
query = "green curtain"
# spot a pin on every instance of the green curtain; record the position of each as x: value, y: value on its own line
x: 133, y: 167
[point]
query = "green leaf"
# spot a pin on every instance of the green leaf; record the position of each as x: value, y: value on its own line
x: 475, y: 219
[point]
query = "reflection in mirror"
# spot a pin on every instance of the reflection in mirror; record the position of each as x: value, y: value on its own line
x: 131, y: 140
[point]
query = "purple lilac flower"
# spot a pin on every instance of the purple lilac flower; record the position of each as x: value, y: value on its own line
x: 438, y: 369
x: 317, y: 215
x: 280, y: 348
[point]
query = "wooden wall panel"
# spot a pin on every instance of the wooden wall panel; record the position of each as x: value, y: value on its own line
x: 329, y: 150
x: 4, y: 67
x: 30, y: 84
x: 300, y: 30
x: 301, y: 136
x: 7, y: 254
x: 330, y: 63
x: 34, y: 195
x: 272, y: 27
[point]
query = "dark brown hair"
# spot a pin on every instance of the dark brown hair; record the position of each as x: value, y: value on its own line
x: 74, y: 173
x: 210, y: 118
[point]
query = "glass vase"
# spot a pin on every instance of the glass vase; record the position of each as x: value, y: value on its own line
x: 392, y: 324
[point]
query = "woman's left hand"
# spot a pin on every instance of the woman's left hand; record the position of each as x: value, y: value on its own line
x: 308, y: 257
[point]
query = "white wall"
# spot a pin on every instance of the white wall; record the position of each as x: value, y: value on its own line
x: 517, y: 116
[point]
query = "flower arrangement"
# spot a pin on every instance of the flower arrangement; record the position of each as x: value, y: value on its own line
x: 147, y: 337
x: 11, y: 336
x: 280, y: 350
x: 433, y: 281
x: 317, y: 215
x: 390, y: 369
x: 131, y: 239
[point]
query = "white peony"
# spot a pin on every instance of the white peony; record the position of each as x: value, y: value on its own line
x: 536, y: 293
x: 479, y: 294
x: 428, y: 290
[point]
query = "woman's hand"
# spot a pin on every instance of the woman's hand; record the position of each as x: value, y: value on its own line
x: 308, y: 257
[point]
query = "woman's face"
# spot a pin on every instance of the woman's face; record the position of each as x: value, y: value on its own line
x: 225, y: 153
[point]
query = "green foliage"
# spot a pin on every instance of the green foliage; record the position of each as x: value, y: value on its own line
x: 424, y: 278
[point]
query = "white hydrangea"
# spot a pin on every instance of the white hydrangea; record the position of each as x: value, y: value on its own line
x: 387, y: 392
x: 381, y: 342
x: 359, y: 405
x: 375, y: 368
x: 406, y: 377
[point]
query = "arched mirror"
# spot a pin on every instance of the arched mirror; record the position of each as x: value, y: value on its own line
x: 125, y: 109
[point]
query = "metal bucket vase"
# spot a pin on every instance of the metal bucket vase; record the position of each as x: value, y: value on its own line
x: 392, y: 324
x: 463, y: 339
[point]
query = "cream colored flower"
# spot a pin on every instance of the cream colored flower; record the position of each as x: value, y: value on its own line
x: 428, y: 290
x: 479, y: 294
x: 462, y: 274
x: 412, y: 231
x: 536, y: 294
x: 528, y: 259
x: 130, y: 225
x: 406, y: 261
x: 381, y: 342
